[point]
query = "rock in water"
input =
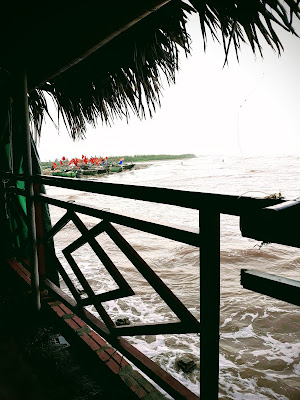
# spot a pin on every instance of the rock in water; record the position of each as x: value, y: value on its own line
x: 186, y: 364
x: 122, y: 321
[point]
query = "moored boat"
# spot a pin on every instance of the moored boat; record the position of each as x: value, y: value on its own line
x: 67, y: 174
x: 90, y: 171
x: 128, y: 166
x: 102, y: 171
x: 115, y: 168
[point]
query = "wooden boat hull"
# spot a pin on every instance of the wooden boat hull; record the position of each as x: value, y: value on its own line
x: 89, y: 172
x: 115, y: 169
x: 70, y: 174
x: 128, y: 166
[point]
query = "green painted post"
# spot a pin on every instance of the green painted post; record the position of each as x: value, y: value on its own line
x: 23, y: 119
x: 209, y: 302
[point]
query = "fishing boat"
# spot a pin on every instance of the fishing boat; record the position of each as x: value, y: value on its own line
x: 128, y: 166
x: 90, y: 171
x: 102, y: 171
x: 115, y: 168
x: 67, y: 174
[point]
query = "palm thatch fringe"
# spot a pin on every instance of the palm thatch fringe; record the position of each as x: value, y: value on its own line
x: 240, y: 20
x: 125, y: 74
x: 120, y: 77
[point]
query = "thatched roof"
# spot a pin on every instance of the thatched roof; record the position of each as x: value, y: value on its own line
x: 102, y: 59
x: 241, y: 21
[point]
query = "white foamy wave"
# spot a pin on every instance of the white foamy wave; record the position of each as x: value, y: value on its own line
x: 228, y: 320
x: 252, y: 316
x: 166, y: 350
x: 285, y: 351
x: 243, y: 333
x: 225, y: 363
x: 297, y: 369
x: 238, y: 388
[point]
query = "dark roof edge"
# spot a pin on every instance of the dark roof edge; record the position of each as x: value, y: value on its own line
x: 153, y: 6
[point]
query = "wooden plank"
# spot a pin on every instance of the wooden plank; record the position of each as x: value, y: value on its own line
x: 88, y: 237
x: 158, y: 328
x: 19, y: 192
x: 86, y: 234
x: 154, y: 280
x: 276, y: 224
x: 275, y: 286
x: 79, y: 331
x: 85, y: 284
x: 13, y: 177
x: 190, y: 236
x: 102, y: 297
x: 61, y: 223
x: 22, y: 272
x: 224, y: 204
x: 150, y: 368
x: 66, y: 278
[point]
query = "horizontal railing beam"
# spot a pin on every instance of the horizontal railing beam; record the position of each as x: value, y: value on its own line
x: 221, y: 203
x: 20, y: 192
x: 13, y: 177
x: 169, y: 232
x: 224, y: 204
x: 278, y: 287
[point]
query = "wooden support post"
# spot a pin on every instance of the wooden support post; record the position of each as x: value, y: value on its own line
x: 209, y: 302
x: 40, y: 233
x: 22, y: 115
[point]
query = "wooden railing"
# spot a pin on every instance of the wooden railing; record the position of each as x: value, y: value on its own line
x: 210, y: 206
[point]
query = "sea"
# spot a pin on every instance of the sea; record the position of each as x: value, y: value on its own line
x: 259, y: 336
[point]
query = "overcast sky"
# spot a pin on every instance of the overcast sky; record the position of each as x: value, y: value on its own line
x: 246, y: 108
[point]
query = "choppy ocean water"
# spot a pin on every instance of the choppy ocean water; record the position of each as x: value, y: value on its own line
x: 259, y: 336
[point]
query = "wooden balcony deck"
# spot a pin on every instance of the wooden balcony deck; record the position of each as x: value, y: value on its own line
x: 38, y: 362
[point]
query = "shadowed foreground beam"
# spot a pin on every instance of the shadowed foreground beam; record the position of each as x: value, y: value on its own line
x: 209, y: 302
x: 271, y: 285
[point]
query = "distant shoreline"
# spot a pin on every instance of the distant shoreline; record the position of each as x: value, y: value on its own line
x: 153, y: 157
x: 140, y: 158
